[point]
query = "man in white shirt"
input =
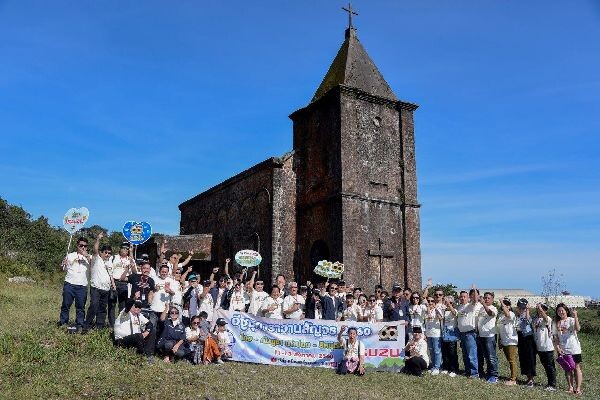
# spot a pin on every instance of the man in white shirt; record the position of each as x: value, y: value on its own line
x: 101, y: 283
x: 486, y: 338
x: 132, y: 329
x: 293, y: 303
x: 467, y: 324
x: 76, y: 264
x: 257, y: 294
x: 121, y: 263
x: 351, y: 311
x: 542, y: 334
x: 163, y: 293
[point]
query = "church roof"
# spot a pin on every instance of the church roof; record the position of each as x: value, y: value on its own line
x: 353, y: 67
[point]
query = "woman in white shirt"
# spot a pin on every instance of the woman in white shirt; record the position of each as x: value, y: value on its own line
x: 507, y: 330
x: 433, y: 332
x: 567, y: 342
x: 417, y: 357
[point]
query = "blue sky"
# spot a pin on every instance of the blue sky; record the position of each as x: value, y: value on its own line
x: 130, y: 108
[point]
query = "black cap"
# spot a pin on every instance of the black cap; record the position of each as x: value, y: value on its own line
x: 221, y: 322
x: 417, y: 329
x: 206, y: 282
x: 132, y: 302
x: 396, y: 288
x: 125, y: 245
x: 145, y: 256
x: 522, y: 303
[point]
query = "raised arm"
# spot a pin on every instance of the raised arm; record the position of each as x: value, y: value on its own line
x: 187, y: 260
x: 577, y: 326
x: 339, y: 337
x: 97, y: 243
x: 226, y: 269
x: 163, y: 251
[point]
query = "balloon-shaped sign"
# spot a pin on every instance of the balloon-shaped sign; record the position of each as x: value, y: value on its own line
x: 328, y: 269
x: 248, y: 258
x: 75, y: 219
x: 137, y: 232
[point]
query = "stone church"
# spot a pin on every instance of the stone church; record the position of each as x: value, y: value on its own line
x: 346, y: 192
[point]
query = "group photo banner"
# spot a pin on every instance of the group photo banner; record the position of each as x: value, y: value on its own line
x: 311, y: 343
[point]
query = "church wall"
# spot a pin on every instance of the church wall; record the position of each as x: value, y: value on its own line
x: 365, y: 223
x: 370, y: 149
x: 238, y: 214
x: 284, y: 219
x: 318, y: 176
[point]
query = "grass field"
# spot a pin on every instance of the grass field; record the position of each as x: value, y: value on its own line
x: 41, y: 361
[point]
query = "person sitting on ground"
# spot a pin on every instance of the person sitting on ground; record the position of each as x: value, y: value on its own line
x: 171, y: 342
x: 293, y: 303
x: 542, y: 334
x: 416, y: 354
x: 354, y: 353
x: 203, y: 347
x: 507, y: 330
x: 132, y: 329
x: 566, y: 326
x: 272, y: 306
x: 223, y: 339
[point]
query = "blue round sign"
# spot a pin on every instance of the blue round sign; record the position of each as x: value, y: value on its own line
x: 137, y: 232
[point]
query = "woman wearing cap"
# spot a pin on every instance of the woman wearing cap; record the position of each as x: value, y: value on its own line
x: 417, y: 357
x: 526, y: 343
x: 507, y: 330
x: 171, y: 342
x: 566, y: 326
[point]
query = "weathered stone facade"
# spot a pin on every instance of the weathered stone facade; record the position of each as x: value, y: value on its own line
x: 347, y: 192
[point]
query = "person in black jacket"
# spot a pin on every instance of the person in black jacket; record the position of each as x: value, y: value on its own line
x: 312, y: 306
x: 331, y: 304
x: 172, y: 340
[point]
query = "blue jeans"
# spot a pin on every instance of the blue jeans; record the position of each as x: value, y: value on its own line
x: 486, y: 350
x: 468, y: 344
x: 79, y: 294
x: 434, y: 345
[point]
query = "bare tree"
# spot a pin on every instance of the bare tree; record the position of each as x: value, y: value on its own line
x: 553, y: 285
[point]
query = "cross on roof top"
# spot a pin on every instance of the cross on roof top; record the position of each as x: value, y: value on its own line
x: 350, y: 12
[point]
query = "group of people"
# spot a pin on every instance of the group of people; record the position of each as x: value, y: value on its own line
x: 170, y: 311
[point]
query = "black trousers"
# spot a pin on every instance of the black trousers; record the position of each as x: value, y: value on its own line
x: 450, y: 356
x: 165, y: 347
x: 143, y: 345
x: 547, y: 360
x: 527, y: 352
x: 97, y: 308
x: 120, y: 300
x: 415, y: 366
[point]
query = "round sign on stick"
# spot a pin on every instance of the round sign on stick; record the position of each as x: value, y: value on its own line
x: 137, y: 232
x: 248, y: 258
x: 75, y: 219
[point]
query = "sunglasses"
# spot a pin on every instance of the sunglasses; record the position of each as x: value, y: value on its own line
x: 333, y: 288
x: 416, y: 298
x: 439, y: 294
x: 173, y: 312
x: 195, y: 322
x: 371, y: 300
x: 107, y: 252
x: 82, y: 245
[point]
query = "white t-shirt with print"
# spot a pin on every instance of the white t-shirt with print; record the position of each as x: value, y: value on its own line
x: 161, y: 297
x: 421, y: 350
x: 256, y: 300
x: 128, y: 324
x: 467, y: 316
x: 77, y: 269
x: 353, y: 350
x: 433, y: 323
x: 289, y: 301
x: 373, y: 314
x: 542, y: 333
x: 277, y: 313
x: 120, y: 265
x: 486, y: 323
x: 206, y: 303
x: 507, y: 329
x: 417, y: 314
x: 449, y: 320
x: 352, y: 313
x: 567, y: 336
x: 100, y: 277
x: 238, y: 300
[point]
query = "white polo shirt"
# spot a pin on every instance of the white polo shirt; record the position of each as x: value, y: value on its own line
x: 277, y: 313
x: 486, y: 324
x: 77, y: 269
x: 256, y: 300
x: 507, y: 329
x: 289, y: 301
x: 467, y: 316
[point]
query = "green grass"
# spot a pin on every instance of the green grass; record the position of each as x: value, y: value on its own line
x: 40, y: 361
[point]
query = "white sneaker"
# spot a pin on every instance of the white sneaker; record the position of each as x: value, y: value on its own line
x: 219, y: 361
x: 444, y: 372
x: 452, y: 375
x: 435, y: 372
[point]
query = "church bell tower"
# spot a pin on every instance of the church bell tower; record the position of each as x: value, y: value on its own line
x: 356, y: 184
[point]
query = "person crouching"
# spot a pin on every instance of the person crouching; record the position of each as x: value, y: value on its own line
x: 354, y: 353
x: 417, y: 357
